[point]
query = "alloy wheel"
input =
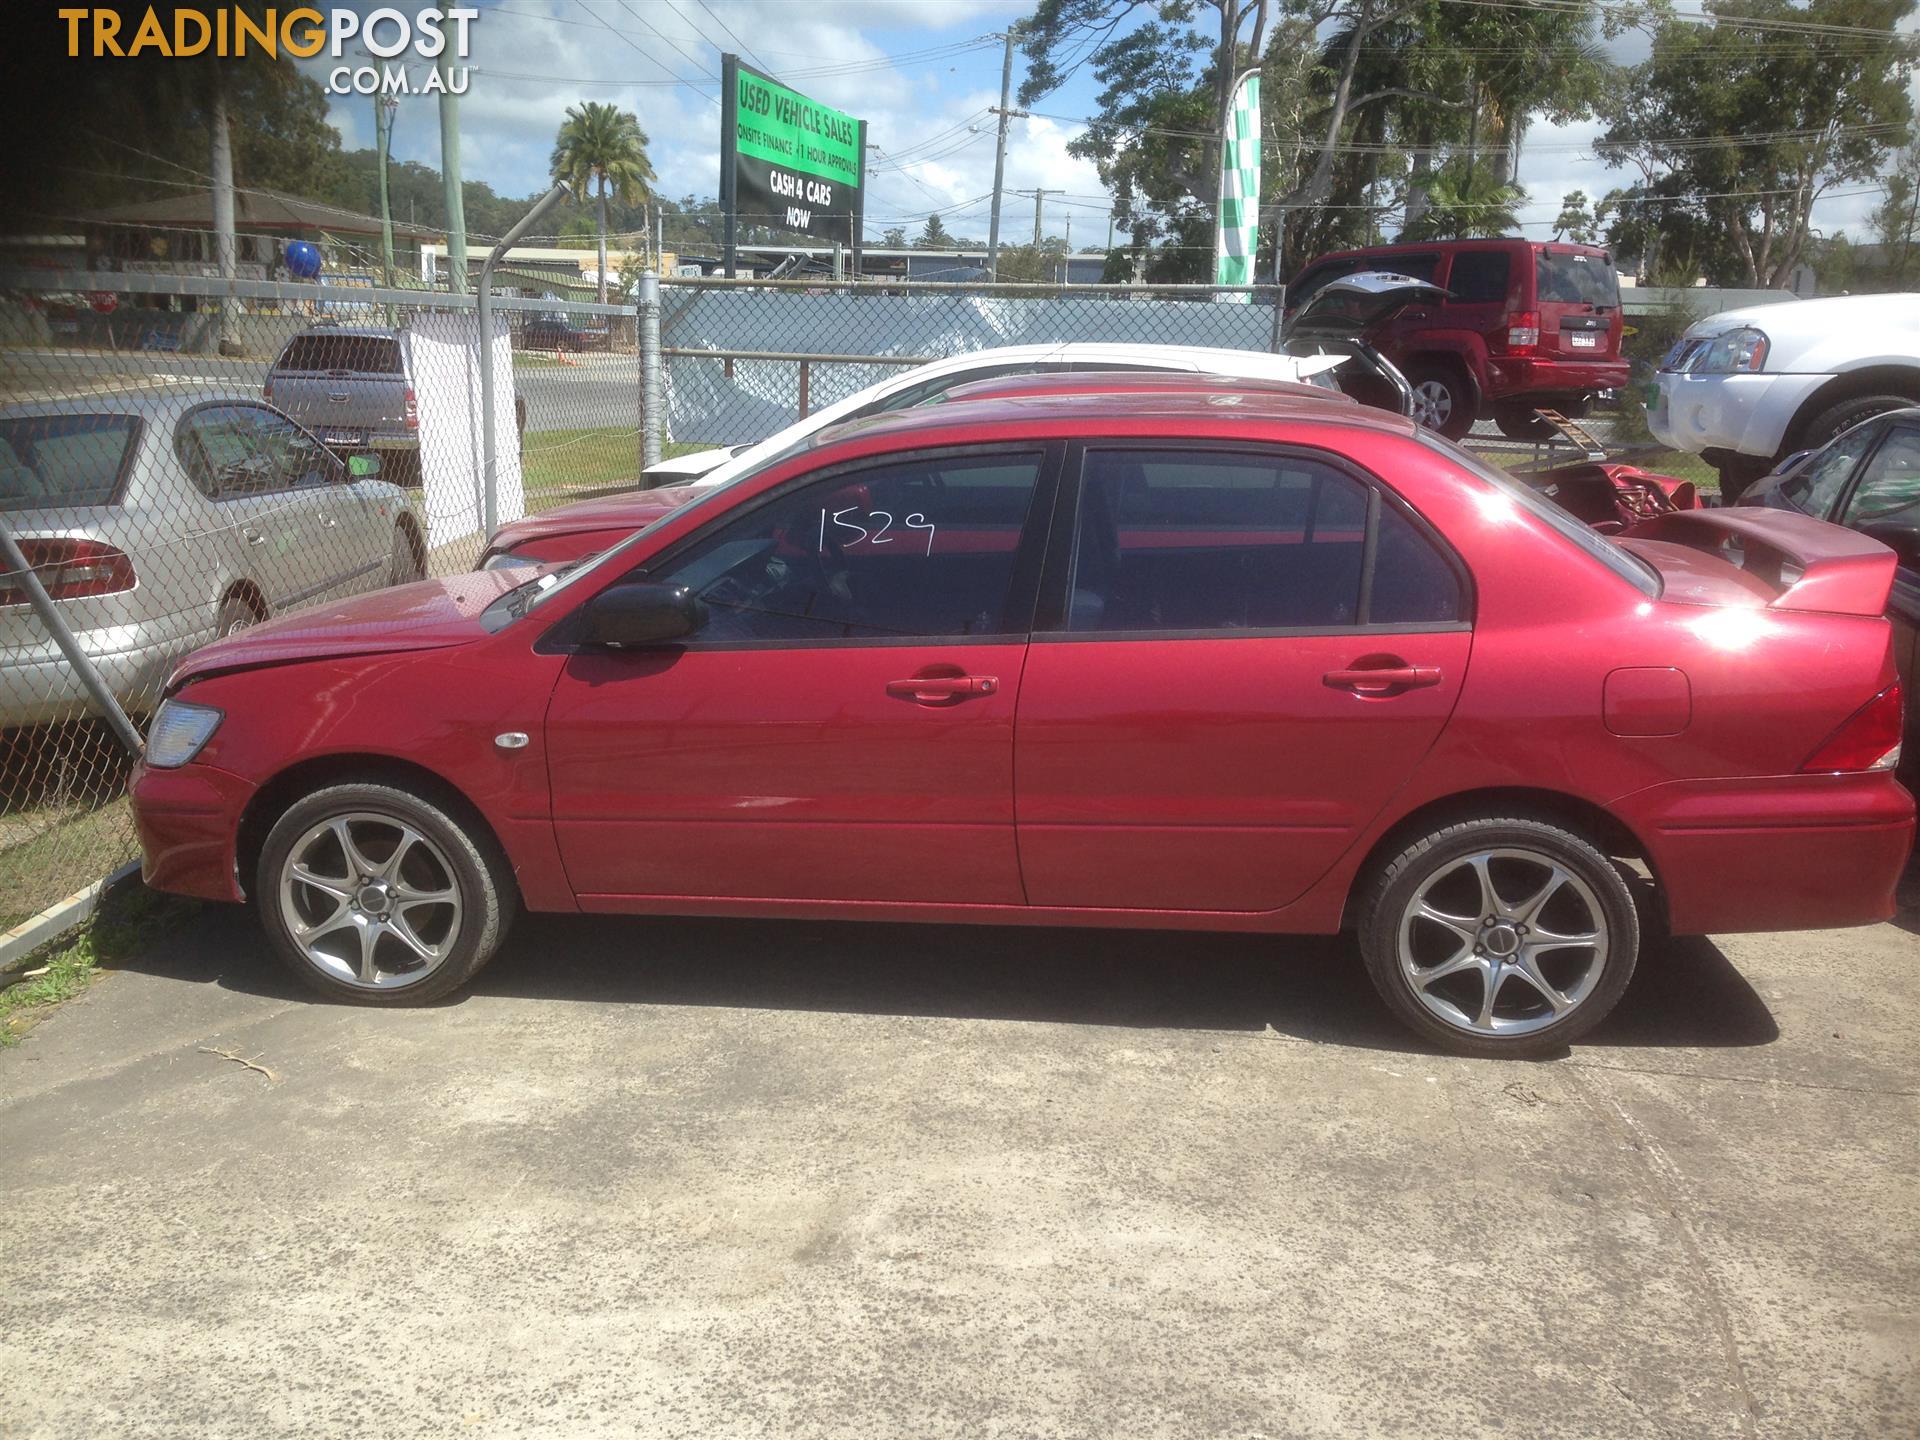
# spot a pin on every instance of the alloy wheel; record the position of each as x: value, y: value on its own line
x: 1432, y: 403
x: 370, y: 901
x: 1503, y: 942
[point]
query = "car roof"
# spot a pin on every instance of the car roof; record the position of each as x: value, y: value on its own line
x: 370, y: 332
x: 1139, y: 382
x: 1085, y: 415
x: 162, y: 404
x: 1493, y: 242
x: 1223, y: 359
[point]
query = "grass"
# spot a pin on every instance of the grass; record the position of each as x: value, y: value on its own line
x: 561, y: 465
x: 126, y: 923
x: 75, y: 847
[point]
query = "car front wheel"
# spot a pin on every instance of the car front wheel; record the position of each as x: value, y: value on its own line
x: 379, y: 896
x: 1501, y: 938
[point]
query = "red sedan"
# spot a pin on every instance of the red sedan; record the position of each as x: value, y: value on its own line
x: 1280, y: 665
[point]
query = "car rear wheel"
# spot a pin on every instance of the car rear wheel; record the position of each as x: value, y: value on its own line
x: 378, y: 896
x: 1442, y: 399
x: 236, y: 613
x: 1500, y: 937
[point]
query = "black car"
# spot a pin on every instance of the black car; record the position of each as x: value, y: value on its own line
x: 1868, y: 479
x: 556, y: 333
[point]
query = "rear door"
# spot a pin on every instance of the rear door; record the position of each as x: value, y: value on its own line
x: 1482, y: 291
x: 1577, y: 296
x: 1242, y: 652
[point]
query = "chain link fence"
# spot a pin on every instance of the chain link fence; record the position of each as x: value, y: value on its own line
x: 182, y: 458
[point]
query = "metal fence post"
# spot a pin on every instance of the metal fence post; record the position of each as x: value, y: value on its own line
x: 56, y: 624
x: 652, y: 382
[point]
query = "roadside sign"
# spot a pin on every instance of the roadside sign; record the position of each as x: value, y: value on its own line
x: 788, y: 162
x: 104, y: 302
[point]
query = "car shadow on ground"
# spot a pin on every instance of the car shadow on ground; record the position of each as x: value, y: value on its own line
x: 1685, y: 993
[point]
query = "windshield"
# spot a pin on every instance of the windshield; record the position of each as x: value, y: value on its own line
x: 1566, y: 277
x: 1631, y: 568
x: 546, y: 587
x: 63, y: 459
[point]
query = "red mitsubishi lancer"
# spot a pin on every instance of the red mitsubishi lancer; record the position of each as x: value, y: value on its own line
x: 1279, y: 665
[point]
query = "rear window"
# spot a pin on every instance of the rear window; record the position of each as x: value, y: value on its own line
x: 48, y: 460
x: 367, y: 354
x: 1568, y: 278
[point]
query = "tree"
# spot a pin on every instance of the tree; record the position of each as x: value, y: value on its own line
x: 1833, y: 265
x: 1467, y: 202
x: 603, y: 149
x: 1034, y: 264
x: 1744, y: 131
x: 1576, y: 221
x: 935, y: 236
x: 1896, y: 223
x: 894, y: 237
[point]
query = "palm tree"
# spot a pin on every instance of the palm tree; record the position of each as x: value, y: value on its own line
x: 603, y: 146
x: 1465, y: 204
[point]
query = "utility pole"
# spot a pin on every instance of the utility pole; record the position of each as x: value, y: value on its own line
x: 383, y: 108
x: 225, y: 243
x: 1039, y: 199
x: 1068, y: 256
x: 450, y: 170
x: 1006, y: 113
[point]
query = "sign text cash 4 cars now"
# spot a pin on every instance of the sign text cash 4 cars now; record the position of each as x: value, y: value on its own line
x: 794, y: 163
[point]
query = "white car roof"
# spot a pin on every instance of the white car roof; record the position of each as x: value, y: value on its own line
x: 1192, y: 359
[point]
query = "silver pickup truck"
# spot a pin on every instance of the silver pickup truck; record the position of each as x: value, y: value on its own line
x: 353, y: 387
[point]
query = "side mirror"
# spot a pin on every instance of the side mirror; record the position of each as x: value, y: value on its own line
x: 643, y: 613
x: 363, y: 467
x: 1901, y: 537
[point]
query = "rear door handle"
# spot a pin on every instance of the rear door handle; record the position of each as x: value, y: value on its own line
x: 254, y: 537
x: 943, y: 689
x: 1386, y: 678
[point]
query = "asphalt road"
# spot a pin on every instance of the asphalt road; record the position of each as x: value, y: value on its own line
x: 728, y: 1179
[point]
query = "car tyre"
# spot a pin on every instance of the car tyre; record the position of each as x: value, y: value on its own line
x: 236, y: 613
x: 409, y: 561
x: 1442, y: 398
x: 1841, y: 417
x: 1523, y: 425
x: 1738, y: 473
x: 1467, y: 906
x: 375, y: 895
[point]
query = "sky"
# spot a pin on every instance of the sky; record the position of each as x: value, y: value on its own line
x: 922, y: 73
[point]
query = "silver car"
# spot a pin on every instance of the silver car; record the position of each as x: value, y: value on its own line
x: 157, y: 524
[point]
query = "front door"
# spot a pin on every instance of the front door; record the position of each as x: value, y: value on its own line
x: 1243, y: 656
x: 842, y: 728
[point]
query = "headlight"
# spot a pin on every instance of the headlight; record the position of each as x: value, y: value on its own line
x: 178, y: 732
x: 507, y: 560
x: 1742, y: 349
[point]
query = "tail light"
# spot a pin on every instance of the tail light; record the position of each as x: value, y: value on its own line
x: 266, y: 390
x: 1522, y: 333
x: 1869, y: 740
x: 413, y: 410
x: 69, y: 570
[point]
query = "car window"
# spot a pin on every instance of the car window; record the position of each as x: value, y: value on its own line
x: 1420, y: 267
x: 1889, y: 487
x: 63, y: 459
x: 1310, y: 281
x: 934, y: 390
x: 1822, y: 477
x: 232, y: 451
x: 921, y: 547
x: 1564, y: 277
x: 1478, y: 277
x: 366, y: 354
x: 1183, y: 540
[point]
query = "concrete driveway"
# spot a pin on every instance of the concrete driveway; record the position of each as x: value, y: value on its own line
x: 726, y: 1179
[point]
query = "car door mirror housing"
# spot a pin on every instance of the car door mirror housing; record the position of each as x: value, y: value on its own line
x: 363, y: 467
x: 643, y: 613
x: 1901, y: 537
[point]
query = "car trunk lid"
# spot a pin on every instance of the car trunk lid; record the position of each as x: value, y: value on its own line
x: 1777, y: 559
x: 1577, y: 300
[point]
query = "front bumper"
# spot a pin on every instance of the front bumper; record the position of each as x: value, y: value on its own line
x: 1747, y: 414
x: 1779, y: 852
x: 188, y: 822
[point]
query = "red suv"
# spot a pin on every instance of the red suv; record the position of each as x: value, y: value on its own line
x: 1529, y: 323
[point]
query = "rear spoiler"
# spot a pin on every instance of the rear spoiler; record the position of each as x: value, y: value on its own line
x: 1811, y: 564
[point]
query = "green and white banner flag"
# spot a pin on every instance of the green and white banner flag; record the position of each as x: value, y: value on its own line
x: 1239, y: 232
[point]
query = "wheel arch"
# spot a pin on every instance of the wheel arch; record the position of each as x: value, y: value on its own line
x: 1457, y: 358
x: 1606, y: 830
x: 272, y: 800
x: 410, y: 527
x: 248, y: 591
x: 1889, y: 378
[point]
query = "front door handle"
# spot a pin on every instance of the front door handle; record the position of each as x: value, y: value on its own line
x: 1384, y: 680
x: 254, y: 537
x: 943, y: 689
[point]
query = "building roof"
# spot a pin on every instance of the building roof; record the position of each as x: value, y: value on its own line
x: 254, y: 210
